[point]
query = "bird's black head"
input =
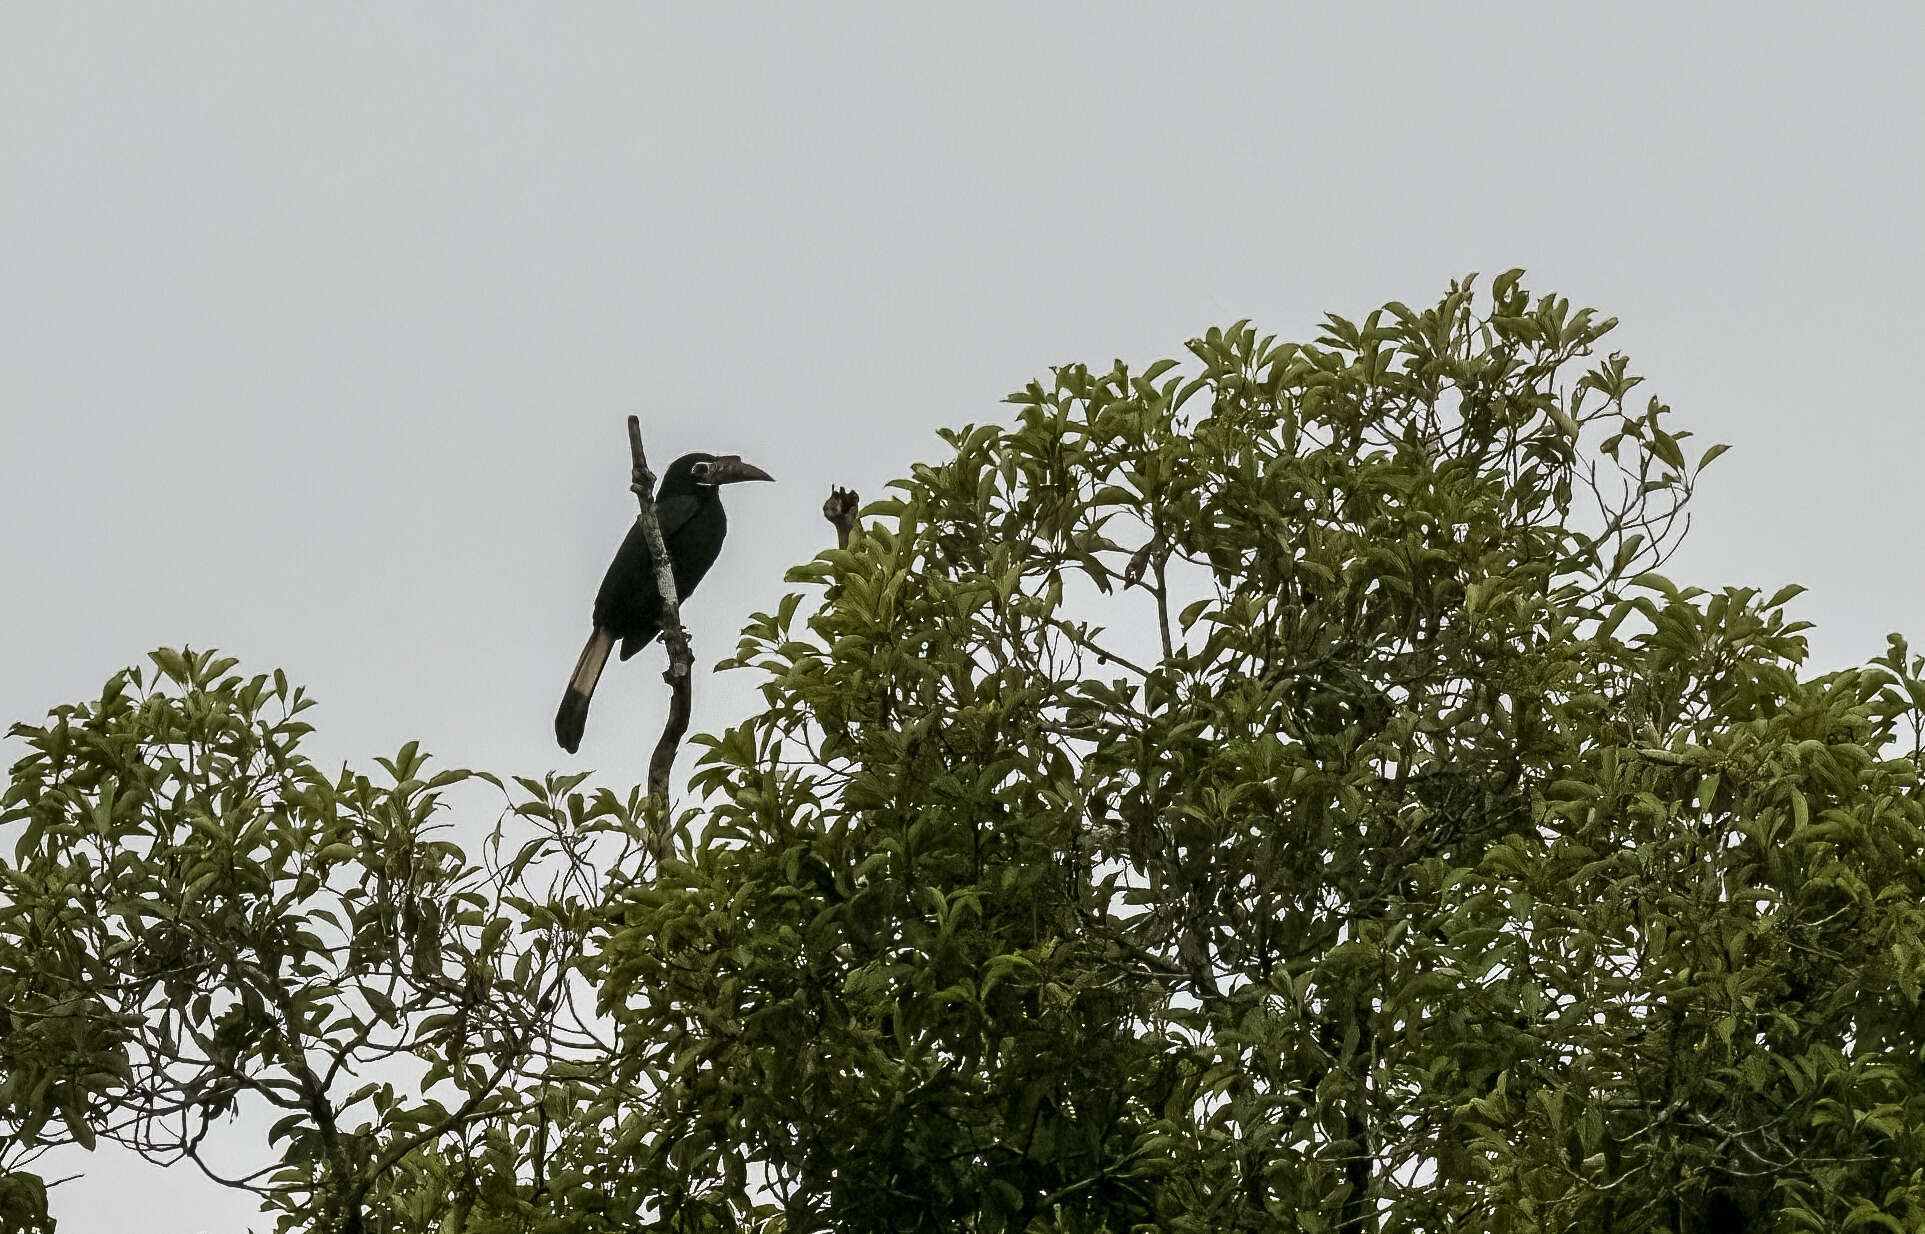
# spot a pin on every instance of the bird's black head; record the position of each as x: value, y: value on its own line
x: 695, y: 473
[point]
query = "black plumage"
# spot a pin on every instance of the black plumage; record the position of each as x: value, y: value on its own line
x: 628, y: 608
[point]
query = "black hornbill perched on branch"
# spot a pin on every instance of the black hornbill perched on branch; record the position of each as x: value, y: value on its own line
x: 628, y: 607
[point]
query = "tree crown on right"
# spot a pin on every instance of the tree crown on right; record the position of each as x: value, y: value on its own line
x: 1280, y: 792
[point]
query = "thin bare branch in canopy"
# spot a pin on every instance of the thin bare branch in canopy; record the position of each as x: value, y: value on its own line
x: 681, y: 659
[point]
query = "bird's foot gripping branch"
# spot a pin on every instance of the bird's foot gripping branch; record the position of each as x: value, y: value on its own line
x: 677, y: 536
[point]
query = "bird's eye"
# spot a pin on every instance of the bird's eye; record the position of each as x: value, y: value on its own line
x: 700, y: 471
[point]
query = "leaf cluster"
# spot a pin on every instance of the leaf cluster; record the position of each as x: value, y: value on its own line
x: 1272, y: 790
x: 1279, y: 792
x: 198, y: 923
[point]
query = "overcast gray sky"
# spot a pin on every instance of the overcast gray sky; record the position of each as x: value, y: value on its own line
x: 318, y: 322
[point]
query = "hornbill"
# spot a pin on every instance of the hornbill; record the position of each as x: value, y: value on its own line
x: 629, y: 607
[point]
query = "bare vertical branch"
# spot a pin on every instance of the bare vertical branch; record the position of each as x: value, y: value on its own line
x: 840, y: 510
x: 681, y: 660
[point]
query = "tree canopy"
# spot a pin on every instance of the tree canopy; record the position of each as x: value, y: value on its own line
x: 1273, y: 791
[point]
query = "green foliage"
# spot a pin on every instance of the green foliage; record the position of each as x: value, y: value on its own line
x: 1272, y: 792
x: 23, y: 1204
x: 1436, y: 865
x: 200, y: 922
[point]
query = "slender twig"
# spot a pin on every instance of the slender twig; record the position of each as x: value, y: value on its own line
x: 681, y: 660
x: 1082, y: 639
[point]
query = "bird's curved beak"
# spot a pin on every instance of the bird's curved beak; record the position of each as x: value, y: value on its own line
x: 730, y: 469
